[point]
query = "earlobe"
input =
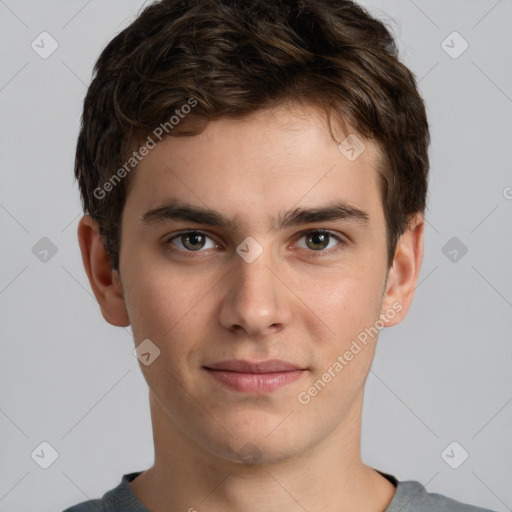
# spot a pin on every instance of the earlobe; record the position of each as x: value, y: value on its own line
x: 104, y: 280
x: 404, y: 272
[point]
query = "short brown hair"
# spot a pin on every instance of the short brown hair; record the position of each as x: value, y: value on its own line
x: 234, y: 57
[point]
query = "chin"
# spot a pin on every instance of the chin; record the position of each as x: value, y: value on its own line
x: 258, y: 447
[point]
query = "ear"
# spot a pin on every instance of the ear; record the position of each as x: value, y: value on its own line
x: 105, y: 281
x: 404, y: 271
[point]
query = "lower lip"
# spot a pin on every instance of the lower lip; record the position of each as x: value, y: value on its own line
x: 255, y: 382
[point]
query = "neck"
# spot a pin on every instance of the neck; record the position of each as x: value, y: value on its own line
x: 327, y: 477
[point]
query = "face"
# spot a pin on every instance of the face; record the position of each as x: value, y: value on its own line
x: 254, y: 257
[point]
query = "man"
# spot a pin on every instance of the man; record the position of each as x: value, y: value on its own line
x: 254, y: 180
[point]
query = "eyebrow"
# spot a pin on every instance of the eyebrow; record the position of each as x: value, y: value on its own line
x: 175, y: 210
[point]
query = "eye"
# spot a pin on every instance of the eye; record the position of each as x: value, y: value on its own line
x: 191, y: 241
x: 319, y: 240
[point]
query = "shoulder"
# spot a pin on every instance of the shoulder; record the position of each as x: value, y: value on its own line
x: 119, y: 499
x: 411, y: 496
x: 87, y: 506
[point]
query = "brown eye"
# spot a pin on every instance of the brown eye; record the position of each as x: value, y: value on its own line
x: 191, y: 241
x: 317, y: 241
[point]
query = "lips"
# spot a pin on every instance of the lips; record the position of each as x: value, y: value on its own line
x: 254, y: 377
x: 242, y: 366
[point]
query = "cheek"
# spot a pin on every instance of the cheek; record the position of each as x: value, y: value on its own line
x: 349, y: 302
x: 170, y: 309
x: 162, y: 311
x: 158, y: 300
x: 350, y: 309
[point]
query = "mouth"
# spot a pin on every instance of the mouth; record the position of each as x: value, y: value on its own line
x: 255, y: 377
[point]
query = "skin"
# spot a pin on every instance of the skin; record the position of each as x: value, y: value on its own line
x: 287, y: 304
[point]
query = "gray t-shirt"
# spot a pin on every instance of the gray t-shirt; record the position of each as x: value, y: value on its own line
x: 410, y: 496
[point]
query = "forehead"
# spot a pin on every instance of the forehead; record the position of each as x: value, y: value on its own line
x: 261, y: 165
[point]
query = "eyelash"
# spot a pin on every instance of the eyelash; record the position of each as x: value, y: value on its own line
x: 319, y: 253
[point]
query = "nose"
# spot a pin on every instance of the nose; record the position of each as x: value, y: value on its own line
x: 257, y: 301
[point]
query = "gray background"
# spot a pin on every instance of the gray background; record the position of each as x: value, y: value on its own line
x: 70, y: 379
